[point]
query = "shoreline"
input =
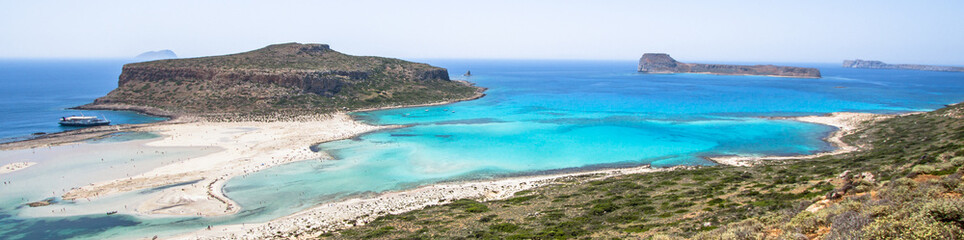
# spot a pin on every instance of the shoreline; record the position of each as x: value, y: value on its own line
x: 725, y: 74
x: 844, y: 122
x: 342, y: 214
x: 150, y: 111
x: 77, y: 135
x: 479, y: 93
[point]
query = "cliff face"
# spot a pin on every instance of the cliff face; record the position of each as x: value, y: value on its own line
x: 663, y: 63
x: 284, y: 78
x: 881, y: 65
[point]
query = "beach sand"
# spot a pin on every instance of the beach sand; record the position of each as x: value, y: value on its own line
x: 245, y: 147
x: 17, y: 166
x: 312, y: 222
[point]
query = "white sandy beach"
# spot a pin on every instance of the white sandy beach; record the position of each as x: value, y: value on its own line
x: 245, y: 147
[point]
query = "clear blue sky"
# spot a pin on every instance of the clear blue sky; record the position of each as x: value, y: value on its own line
x: 928, y: 32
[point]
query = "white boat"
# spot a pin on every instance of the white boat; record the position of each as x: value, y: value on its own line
x: 83, y: 121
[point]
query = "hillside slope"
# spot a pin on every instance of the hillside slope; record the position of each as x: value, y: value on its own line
x: 283, y: 79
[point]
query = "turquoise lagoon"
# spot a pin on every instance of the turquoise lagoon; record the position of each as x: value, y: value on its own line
x: 546, y: 116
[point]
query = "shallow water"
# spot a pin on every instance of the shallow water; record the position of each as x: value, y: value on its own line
x: 61, y: 168
x: 537, y: 116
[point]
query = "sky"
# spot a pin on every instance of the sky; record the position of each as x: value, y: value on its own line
x: 926, y: 32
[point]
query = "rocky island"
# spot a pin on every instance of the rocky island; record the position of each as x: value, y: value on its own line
x: 157, y: 55
x: 663, y: 63
x: 857, y: 63
x: 284, y: 79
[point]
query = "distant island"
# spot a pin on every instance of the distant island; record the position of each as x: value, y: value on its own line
x: 857, y: 63
x: 156, y: 55
x: 284, y: 79
x: 663, y: 63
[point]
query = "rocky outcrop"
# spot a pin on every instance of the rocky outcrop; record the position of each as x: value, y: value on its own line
x: 663, y: 63
x: 291, y: 77
x: 857, y: 63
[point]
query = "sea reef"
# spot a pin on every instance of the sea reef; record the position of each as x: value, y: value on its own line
x: 285, y: 79
x: 663, y: 63
x: 857, y: 63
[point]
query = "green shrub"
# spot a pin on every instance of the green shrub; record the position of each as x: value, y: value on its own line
x: 921, y: 169
x: 488, y: 218
x: 469, y: 205
x: 382, y: 231
x: 747, y: 229
x: 945, y: 210
x: 848, y: 225
x: 504, y: 227
x: 517, y: 200
x: 910, y: 228
x: 805, y: 222
x: 602, y: 208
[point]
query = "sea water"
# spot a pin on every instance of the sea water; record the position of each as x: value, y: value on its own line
x: 544, y: 116
x: 35, y: 94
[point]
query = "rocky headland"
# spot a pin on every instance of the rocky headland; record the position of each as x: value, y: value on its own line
x: 663, y: 63
x: 289, y: 79
x: 857, y: 63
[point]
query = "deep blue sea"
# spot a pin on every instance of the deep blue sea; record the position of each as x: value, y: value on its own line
x: 34, y: 94
x: 537, y: 116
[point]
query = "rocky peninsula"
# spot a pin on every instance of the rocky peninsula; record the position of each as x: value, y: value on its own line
x: 857, y: 63
x: 286, y: 80
x: 663, y: 63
